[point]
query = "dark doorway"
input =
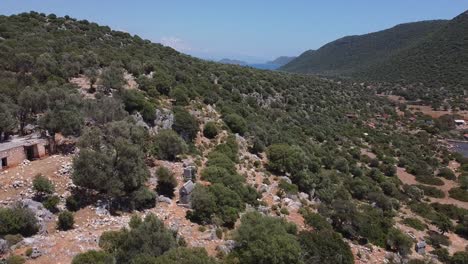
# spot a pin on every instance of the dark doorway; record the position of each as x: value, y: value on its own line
x: 4, y: 163
x: 30, y: 153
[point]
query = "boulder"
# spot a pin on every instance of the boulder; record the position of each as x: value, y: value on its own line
x: 303, y: 196
x: 42, y: 215
x: 35, y: 253
x: 164, y: 120
x: 263, y: 188
x: 286, y: 179
x: 228, y: 246
x: 139, y: 120
x: 164, y: 199
x: 102, y: 208
x: 3, y: 246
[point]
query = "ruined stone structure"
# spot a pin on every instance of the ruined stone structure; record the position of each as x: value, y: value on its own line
x: 190, y: 173
x: 13, y: 152
x: 186, y: 192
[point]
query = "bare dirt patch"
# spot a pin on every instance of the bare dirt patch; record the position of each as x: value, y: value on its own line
x: 427, y: 110
x: 410, y: 179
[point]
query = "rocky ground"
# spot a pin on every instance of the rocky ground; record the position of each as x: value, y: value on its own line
x: 53, y: 246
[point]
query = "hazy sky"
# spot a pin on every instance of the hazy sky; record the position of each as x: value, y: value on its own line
x: 252, y: 30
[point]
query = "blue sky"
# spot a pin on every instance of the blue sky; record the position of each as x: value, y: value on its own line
x: 255, y: 30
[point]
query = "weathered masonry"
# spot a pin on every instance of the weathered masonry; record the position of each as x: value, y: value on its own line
x: 18, y: 149
x: 186, y: 193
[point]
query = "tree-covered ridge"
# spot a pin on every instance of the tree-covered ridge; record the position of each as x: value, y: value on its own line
x: 439, y: 60
x: 351, y: 53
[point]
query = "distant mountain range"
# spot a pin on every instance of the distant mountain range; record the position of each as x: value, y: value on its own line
x: 433, y: 52
x: 270, y: 65
x: 283, y: 60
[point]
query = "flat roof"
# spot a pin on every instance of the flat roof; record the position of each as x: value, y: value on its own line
x: 16, y: 142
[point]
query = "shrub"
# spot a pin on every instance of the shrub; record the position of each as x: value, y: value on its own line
x: 168, y: 145
x: 447, y: 174
x: 316, y: 221
x: 431, y: 191
x: 166, y: 182
x: 450, y: 210
x: 284, y: 211
x: 423, y: 210
x: 462, y: 228
x: 93, y: 257
x: 399, y: 242
x: 179, y: 94
x: 430, y: 180
x: 72, y: 203
x: 284, y: 158
x: 236, y: 123
x: 414, y: 223
x: 15, y: 259
x: 13, y: 239
x: 29, y: 252
x: 65, y: 221
x: 51, y: 203
x: 442, y: 254
x: 218, y: 159
x: 287, y: 187
x: 266, y: 239
x: 210, y: 131
x: 183, y: 255
x: 185, y: 124
x: 42, y: 185
x: 219, y: 233
x: 148, y: 238
x: 326, y: 247
x: 143, y: 198
x: 436, y: 240
x: 460, y: 257
x: 459, y: 194
x: 18, y: 220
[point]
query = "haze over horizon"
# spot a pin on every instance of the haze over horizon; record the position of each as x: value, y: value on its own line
x: 242, y: 30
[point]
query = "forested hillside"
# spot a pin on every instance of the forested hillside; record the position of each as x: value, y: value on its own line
x: 351, y: 53
x: 293, y: 168
x: 439, y: 60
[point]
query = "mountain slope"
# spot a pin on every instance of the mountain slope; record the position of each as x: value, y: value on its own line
x: 350, y: 53
x: 439, y: 60
x: 313, y: 130
x: 283, y: 60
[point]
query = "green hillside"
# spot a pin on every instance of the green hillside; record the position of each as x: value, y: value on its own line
x: 439, y: 60
x: 348, y: 54
x: 255, y: 135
